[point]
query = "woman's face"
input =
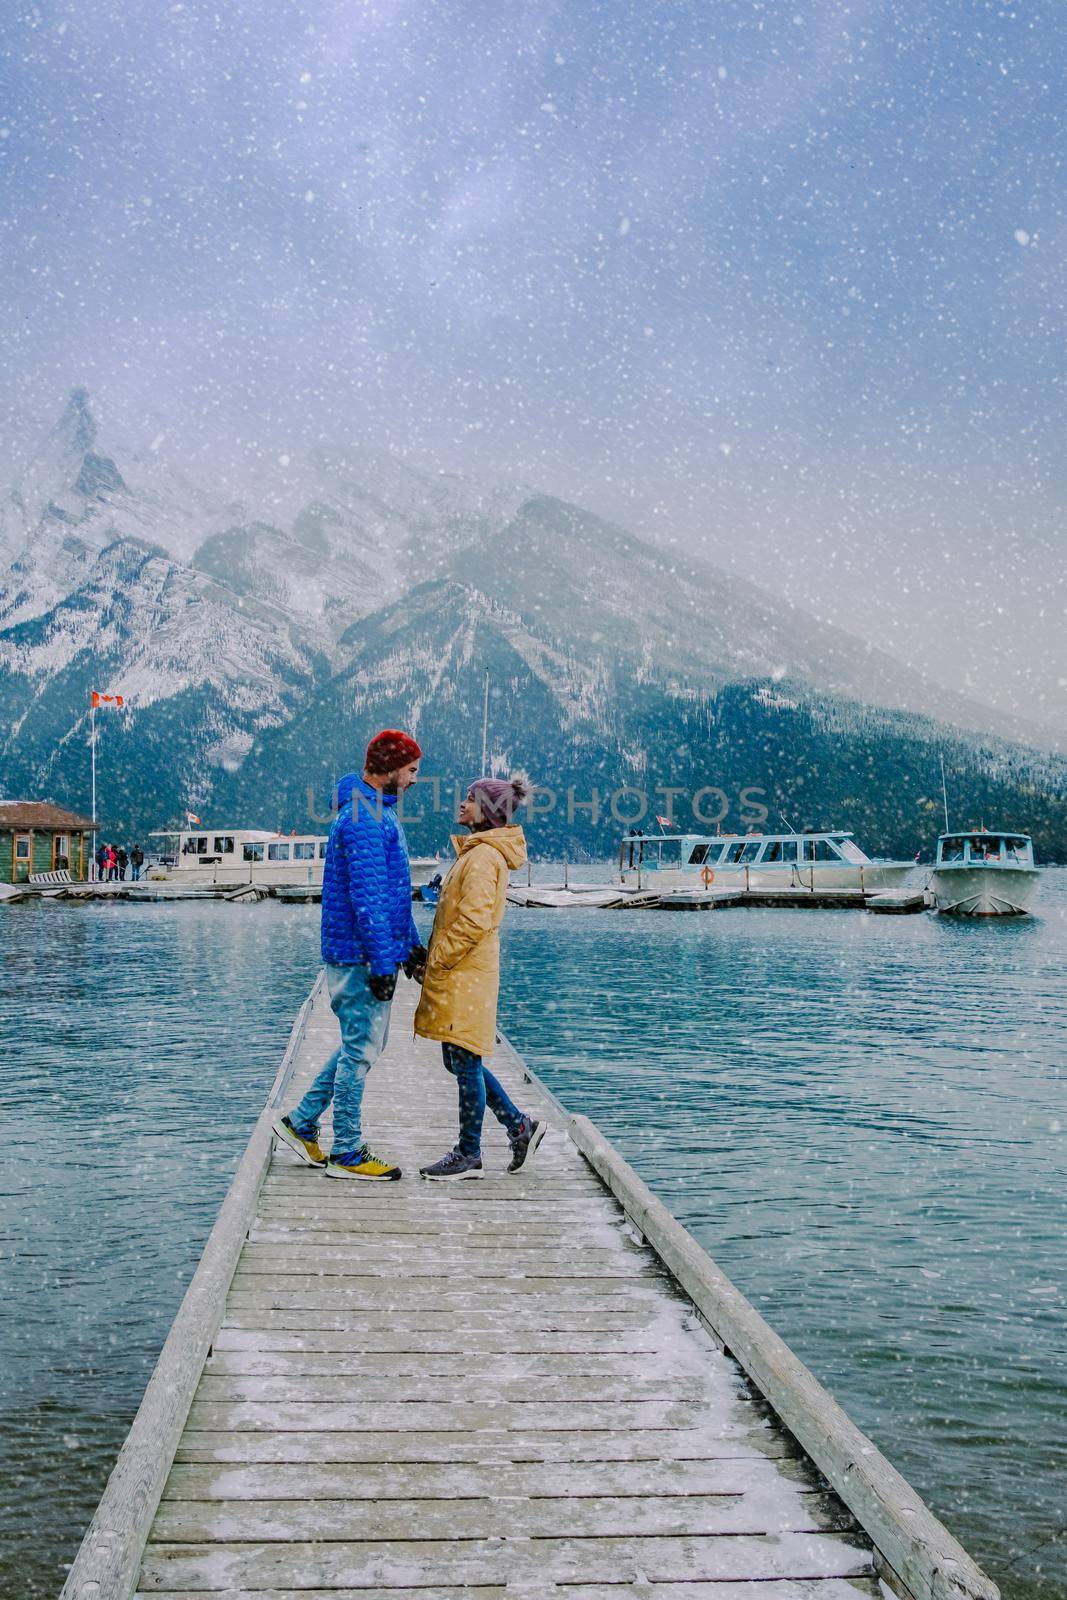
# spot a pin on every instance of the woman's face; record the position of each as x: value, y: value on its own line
x: 468, y: 812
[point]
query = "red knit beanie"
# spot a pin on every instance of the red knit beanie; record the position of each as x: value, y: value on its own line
x: 389, y: 750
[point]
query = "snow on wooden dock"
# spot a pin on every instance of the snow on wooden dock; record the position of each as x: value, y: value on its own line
x: 486, y: 1388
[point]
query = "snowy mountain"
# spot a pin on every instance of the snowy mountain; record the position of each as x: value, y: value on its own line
x: 257, y: 645
x: 585, y: 725
x: 72, y: 502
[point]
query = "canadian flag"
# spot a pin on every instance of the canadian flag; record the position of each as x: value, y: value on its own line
x: 665, y: 822
x: 106, y: 699
x: 191, y: 816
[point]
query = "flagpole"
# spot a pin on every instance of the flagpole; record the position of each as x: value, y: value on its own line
x: 93, y: 867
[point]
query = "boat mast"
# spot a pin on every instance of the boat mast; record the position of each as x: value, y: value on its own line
x: 944, y: 791
x: 485, y: 725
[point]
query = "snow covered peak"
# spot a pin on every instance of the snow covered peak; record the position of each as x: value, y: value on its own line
x: 77, y: 425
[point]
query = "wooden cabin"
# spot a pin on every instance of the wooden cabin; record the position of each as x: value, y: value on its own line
x: 39, y: 836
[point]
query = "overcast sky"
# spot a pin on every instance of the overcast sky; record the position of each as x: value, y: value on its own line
x: 783, y: 282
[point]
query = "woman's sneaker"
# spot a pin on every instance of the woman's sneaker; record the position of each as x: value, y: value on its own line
x: 525, y: 1142
x: 452, y: 1167
x: 304, y: 1145
x: 361, y: 1164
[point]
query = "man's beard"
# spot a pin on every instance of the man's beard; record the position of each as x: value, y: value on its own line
x: 391, y: 786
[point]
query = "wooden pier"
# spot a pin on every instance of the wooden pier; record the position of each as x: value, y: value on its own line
x: 509, y: 1387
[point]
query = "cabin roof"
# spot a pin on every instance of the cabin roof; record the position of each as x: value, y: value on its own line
x: 25, y: 815
x: 984, y: 833
x: 722, y: 838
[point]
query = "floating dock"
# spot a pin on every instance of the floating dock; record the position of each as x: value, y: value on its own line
x: 534, y: 1385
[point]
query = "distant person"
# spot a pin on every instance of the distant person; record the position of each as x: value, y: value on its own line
x: 461, y: 977
x: 122, y: 861
x: 368, y: 933
x: 112, y: 864
x: 101, y: 863
x: 136, y: 863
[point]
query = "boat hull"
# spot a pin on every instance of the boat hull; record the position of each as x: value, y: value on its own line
x: 872, y: 877
x: 270, y: 874
x: 983, y: 891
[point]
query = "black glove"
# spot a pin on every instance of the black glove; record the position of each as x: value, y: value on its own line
x: 382, y: 986
x: 415, y: 965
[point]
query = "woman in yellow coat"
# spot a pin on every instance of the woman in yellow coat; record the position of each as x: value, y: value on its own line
x: 461, y: 980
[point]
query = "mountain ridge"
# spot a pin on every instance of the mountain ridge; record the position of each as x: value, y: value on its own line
x: 255, y: 664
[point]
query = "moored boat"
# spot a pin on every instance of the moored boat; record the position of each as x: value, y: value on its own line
x: 213, y: 856
x: 824, y: 860
x: 984, y: 873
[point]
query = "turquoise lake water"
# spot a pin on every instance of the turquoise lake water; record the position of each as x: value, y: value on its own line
x: 862, y: 1118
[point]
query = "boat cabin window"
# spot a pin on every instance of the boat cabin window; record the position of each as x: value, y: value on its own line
x: 985, y: 847
x: 305, y: 851
x: 1016, y: 849
x: 223, y: 844
x: 277, y: 852
x: 952, y: 849
x: 657, y: 853
x: 750, y: 852
x: 322, y: 849
x: 253, y: 851
x: 195, y: 847
x: 734, y: 854
x: 699, y: 855
x: 852, y: 852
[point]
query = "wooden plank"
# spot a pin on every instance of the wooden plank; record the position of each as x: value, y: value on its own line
x: 488, y: 1370
x: 443, y: 1261
x: 433, y: 1328
x: 341, y: 1230
x: 492, y: 1445
x: 489, y: 1517
x: 464, y: 1417
x: 382, y: 1564
x: 853, y: 1588
x: 458, y: 1481
x: 364, y: 1287
x: 333, y: 1388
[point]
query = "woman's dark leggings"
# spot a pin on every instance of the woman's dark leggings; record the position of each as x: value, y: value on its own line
x: 477, y: 1089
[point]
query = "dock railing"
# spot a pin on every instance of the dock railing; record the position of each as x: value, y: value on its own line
x: 108, y: 1561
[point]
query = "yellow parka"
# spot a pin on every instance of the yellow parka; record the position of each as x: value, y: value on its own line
x: 459, y: 991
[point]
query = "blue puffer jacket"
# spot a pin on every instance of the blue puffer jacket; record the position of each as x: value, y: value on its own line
x: 366, y: 886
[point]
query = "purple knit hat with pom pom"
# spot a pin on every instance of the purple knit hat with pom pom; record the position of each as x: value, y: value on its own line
x: 498, y: 798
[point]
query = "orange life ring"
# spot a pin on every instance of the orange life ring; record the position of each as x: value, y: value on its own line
x: 707, y: 877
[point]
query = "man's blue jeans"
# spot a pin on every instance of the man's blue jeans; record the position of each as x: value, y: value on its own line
x: 364, y: 1035
x: 478, y: 1088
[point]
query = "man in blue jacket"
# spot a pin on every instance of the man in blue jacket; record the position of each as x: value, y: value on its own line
x: 368, y: 932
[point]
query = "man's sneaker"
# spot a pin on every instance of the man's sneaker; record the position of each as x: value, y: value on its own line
x: 304, y: 1145
x: 452, y: 1167
x: 361, y: 1164
x: 525, y: 1143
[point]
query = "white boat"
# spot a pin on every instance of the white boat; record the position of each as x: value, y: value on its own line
x: 830, y: 860
x: 549, y: 897
x: 220, y: 856
x: 984, y: 874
